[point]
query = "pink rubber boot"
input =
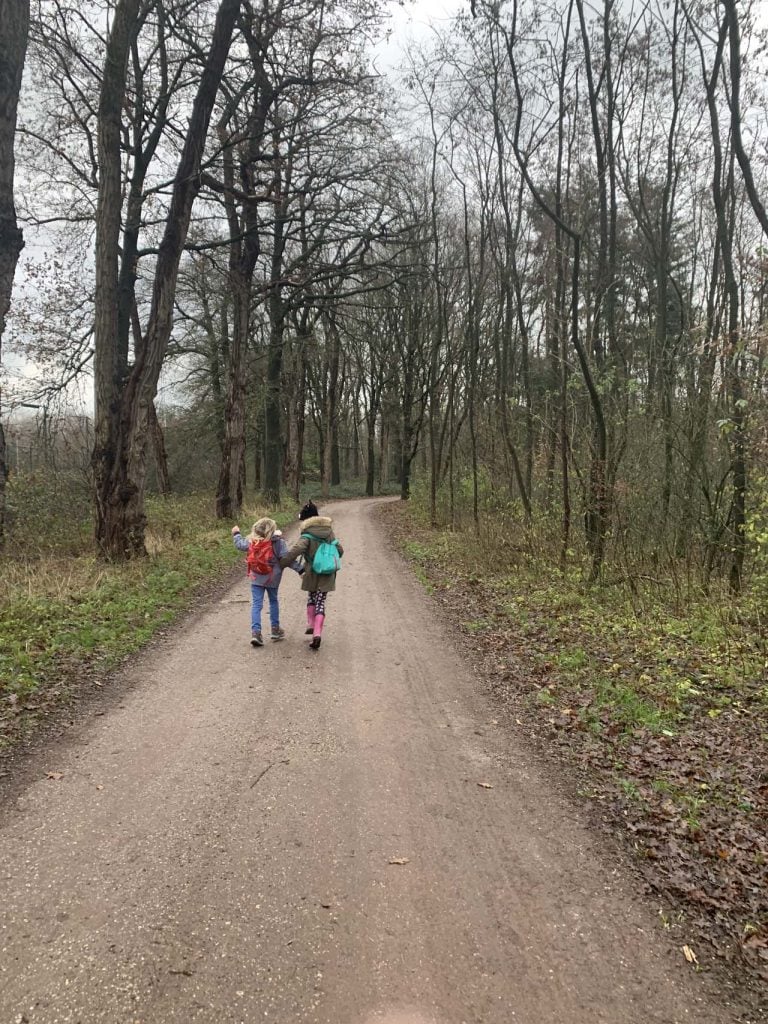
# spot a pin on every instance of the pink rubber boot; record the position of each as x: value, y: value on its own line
x: 310, y: 619
x: 317, y: 632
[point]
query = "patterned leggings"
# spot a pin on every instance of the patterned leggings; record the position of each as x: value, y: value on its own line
x: 317, y: 598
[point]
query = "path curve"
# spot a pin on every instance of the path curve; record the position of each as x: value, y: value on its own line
x: 347, y: 837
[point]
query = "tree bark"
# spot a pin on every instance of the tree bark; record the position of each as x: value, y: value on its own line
x: 110, y: 363
x: 720, y: 200
x: 161, y: 455
x: 243, y: 256
x: 276, y: 310
x: 273, y: 448
x: 734, y: 36
x: 245, y: 248
x: 329, y: 463
x: 14, y: 32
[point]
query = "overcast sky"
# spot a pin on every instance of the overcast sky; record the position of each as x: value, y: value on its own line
x: 413, y: 19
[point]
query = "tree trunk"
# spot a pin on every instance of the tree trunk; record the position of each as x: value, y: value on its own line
x: 257, y: 456
x: 110, y: 360
x: 123, y: 404
x: 405, y: 465
x: 330, y: 453
x: 734, y: 35
x: 273, y: 448
x: 370, y: 476
x: 335, y: 458
x: 229, y: 489
x: 296, y: 403
x: 356, y: 439
x: 720, y: 197
x: 14, y: 31
x: 301, y: 402
x: 273, y: 441
x: 161, y: 455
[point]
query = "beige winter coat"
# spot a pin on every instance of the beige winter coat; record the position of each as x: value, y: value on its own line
x: 321, y: 529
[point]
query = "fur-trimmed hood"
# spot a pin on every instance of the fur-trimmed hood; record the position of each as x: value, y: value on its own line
x: 319, y: 526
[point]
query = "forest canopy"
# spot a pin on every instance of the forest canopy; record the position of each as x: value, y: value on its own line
x: 525, y: 272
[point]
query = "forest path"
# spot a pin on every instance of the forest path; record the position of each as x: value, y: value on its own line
x: 219, y: 845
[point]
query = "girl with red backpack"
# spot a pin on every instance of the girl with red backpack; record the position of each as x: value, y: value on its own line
x: 265, y: 547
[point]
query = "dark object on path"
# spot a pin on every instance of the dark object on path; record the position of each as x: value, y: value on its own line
x: 315, y: 643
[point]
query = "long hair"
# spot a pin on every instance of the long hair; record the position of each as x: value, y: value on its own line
x: 308, y: 511
x: 263, y: 529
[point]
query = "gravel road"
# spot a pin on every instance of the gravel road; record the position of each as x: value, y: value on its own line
x: 347, y: 837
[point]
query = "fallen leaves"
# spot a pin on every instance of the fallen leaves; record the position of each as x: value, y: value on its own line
x: 485, y: 785
x: 662, y: 714
x: 689, y: 955
x: 54, y: 776
x: 399, y: 860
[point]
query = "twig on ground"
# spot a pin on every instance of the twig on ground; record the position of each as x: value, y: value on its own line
x: 261, y: 775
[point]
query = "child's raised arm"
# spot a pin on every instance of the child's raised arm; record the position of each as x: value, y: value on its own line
x: 240, y: 542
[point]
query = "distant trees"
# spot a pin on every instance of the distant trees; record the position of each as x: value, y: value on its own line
x: 532, y: 283
x: 608, y: 231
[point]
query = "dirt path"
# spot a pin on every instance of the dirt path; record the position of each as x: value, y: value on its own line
x: 218, y: 847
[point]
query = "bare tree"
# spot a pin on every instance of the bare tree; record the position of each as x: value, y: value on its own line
x: 734, y: 39
x: 123, y: 403
x: 14, y: 29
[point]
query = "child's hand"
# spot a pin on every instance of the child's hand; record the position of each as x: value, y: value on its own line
x: 235, y: 529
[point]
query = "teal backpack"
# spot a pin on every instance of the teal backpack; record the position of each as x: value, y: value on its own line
x: 327, y: 559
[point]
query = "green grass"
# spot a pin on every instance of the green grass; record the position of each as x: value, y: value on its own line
x: 628, y: 707
x: 626, y: 663
x: 572, y: 661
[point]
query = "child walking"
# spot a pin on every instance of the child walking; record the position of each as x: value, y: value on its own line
x: 316, y: 530
x: 266, y: 548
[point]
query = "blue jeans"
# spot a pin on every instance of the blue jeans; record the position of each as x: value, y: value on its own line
x: 257, y: 600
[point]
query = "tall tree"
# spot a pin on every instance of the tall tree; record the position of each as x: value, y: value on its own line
x: 123, y: 404
x: 14, y: 31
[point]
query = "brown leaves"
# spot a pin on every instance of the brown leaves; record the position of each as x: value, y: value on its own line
x: 399, y: 860
x: 662, y: 714
x: 54, y: 776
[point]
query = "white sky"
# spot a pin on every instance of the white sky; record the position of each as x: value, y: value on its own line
x: 413, y: 19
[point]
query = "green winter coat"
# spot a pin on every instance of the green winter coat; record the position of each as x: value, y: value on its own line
x: 320, y: 529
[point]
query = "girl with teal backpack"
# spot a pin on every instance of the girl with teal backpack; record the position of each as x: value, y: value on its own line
x: 322, y: 553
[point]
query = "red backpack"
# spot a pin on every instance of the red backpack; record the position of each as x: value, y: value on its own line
x: 260, y: 559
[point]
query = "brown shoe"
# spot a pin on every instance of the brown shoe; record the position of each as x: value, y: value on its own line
x: 257, y: 640
x: 278, y: 633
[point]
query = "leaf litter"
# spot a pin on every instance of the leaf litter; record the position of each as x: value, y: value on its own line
x: 668, y: 729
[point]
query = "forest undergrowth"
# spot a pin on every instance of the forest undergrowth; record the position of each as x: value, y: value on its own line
x: 662, y: 709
